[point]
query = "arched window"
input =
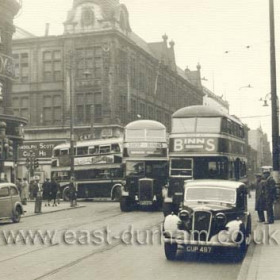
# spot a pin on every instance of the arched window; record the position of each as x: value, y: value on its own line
x: 87, y: 17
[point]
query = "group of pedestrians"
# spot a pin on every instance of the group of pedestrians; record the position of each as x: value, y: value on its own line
x: 51, y: 192
x: 265, y: 196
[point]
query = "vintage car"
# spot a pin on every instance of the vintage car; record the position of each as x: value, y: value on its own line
x: 10, y: 203
x: 213, y: 217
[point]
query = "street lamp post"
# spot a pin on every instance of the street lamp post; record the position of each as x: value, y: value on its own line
x: 3, y: 126
x: 274, y: 107
x: 71, y: 77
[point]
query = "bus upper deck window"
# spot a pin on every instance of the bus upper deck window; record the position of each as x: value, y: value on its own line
x: 104, y: 149
x: 64, y: 152
x: 116, y: 148
x: 82, y: 150
x: 93, y: 150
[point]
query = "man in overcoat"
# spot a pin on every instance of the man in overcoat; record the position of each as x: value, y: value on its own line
x: 269, y: 187
x: 260, y: 200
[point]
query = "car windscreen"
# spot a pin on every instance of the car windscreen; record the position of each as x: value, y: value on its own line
x: 210, y: 194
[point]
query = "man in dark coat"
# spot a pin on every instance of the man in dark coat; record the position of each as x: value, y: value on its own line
x: 259, y: 204
x: 53, y: 190
x: 72, y: 192
x: 269, y: 195
x: 47, y: 191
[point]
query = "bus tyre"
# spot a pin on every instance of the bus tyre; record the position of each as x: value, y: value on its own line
x: 66, y: 194
x: 170, y: 251
x: 125, y: 204
x: 167, y: 208
x: 117, y: 193
x: 157, y: 206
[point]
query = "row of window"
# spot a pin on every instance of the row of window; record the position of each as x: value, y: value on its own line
x: 88, y: 108
x: 207, y: 125
x: 150, y: 80
x: 87, y: 62
x: 90, y: 150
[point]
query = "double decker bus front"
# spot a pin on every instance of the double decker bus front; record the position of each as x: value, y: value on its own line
x: 204, y: 144
x: 146, y: 163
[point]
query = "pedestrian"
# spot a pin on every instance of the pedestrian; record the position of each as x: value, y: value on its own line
x: 47, y: 191
x: 72, y: 192
x: 19, y: 186
x: 53, y: 190
x: 31, y: 188
x: 58, y: 194
x: 25, y: 191
x: 269, y: 188
x: 37, y: 193
x: 259, y: 203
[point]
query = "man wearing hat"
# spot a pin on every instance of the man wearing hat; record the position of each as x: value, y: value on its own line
x: 269, y: 189
x: 259, y: 204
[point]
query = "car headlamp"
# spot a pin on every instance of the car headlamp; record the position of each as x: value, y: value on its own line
x: 221, y: 219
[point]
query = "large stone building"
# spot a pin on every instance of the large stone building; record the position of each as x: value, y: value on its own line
x: 11, y: 127
x: 258, y: 141
x: 99, y: 65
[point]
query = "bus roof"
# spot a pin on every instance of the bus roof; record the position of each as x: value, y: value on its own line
x: 89, y: 143
x: 145, y: 124
x: 202, y: 111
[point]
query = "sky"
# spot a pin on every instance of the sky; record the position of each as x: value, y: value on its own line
x: 228, y: 38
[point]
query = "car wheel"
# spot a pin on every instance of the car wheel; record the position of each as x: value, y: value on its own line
x: 170, y: 251
x: 243, y: 246
x: 125, y: 204
x: 16, y: 215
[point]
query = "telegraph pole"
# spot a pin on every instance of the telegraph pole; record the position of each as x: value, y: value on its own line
x: 274, y: 105
x: 72, y: 136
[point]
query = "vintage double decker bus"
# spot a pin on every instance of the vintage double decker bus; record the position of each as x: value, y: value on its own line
x: 97, y: 166
x: 204, y: 144
x: 145, y: 158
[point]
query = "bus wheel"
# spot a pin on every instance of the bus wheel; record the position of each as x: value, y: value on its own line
x: 167, y: 208
x: 66, y: 194
x: 117, y: 193
x: 125, y: 204
x: 158, y: 204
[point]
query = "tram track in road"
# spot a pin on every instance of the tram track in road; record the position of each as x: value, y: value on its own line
x: 118, y: 220
x: 99, y: 251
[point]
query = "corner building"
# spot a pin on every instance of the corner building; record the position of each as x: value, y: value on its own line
x: 11, y: 126
x: 112, y: 75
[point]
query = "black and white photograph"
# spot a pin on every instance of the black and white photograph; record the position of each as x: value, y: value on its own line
x: 139, y: 139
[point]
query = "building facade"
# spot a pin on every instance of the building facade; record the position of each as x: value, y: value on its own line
x: 11, y: 126
x: 259, y: 142
x: 99, y: 70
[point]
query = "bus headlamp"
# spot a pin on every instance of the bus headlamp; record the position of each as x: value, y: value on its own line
x: 184, y: 215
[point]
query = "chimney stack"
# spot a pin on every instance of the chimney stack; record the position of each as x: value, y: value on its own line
x: 47, y: 29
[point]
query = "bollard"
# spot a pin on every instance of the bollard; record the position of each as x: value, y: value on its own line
x: 38, y: 205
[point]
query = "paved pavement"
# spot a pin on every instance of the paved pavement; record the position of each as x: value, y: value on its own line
x: 62, y: 206
x: 262, y: 261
